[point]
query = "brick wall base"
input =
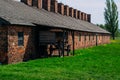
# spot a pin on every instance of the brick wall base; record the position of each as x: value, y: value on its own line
x: 3, y: 44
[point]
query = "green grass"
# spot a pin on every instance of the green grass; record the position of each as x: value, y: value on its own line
x: 117, y: 38
x: 96, y: 63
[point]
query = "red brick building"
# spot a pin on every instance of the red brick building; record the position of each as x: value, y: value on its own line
x: 32, y: 29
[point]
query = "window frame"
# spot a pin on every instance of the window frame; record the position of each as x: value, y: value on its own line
x: 20, y: 38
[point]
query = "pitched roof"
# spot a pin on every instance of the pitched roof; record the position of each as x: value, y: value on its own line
x: 12, y: 12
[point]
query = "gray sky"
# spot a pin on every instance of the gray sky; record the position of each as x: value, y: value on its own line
x: 93, y: 7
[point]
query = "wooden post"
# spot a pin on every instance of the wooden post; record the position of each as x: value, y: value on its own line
x: 96, y: 39
x: 73, y: 42
x: 63, y: 43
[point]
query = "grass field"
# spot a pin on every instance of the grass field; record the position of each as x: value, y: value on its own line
x: 97, y: 63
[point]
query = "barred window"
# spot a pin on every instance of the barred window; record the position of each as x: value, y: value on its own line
x: 20, y: 39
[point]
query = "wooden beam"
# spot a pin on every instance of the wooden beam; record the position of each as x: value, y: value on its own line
x: 73, y: 42
x: 63, y: 47
x: 56, y: 30
x: 96, y: 39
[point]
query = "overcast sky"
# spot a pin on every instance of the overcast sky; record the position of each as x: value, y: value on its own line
x: 93, y: 7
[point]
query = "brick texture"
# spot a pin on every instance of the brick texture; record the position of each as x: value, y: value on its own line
x: 46, y: 4
x: 71, y: 12
x: 54, y: 6
x: 75, y: 13
x: 82, y: 16
x: 28, y: 2
x: 20, y: 53
x: 88, y: 17
x: 66, y: 10
x: 3, y: 44
x: 37, y: 3
x: 79, y: 15
x: 61, y: 8
x: 81, y: 42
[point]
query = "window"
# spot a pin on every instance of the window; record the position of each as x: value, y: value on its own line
x: 79, y: 36
x: 20, y: 38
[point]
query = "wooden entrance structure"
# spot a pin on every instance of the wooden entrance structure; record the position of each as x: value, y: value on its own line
x: 54, y: 40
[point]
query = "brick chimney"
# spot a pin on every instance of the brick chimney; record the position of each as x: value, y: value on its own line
x: 37, y: 3
x: 82, y: 16
x: 61, y: 8
x: 66, y: 10
x: 79, y: 15
x: 28, y: 2
x: 54, y: 6
x: 40, y: 4
x: 71, y: 12
x: 89, y: 17
x: 76, y: 13
x: 46, y: 4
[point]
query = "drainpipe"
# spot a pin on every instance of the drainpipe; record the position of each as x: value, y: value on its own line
x: 96, y: 39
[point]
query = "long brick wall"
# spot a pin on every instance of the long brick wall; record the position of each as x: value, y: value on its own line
x: 3, y: 44
x: 81, y: 42
x: 10, y: 52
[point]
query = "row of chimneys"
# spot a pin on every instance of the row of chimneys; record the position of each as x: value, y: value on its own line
x: 54, y: 6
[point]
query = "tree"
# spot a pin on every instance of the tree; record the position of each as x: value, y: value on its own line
x: 101, y: 26
x: 118, y: 33
x: 111, y: 17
